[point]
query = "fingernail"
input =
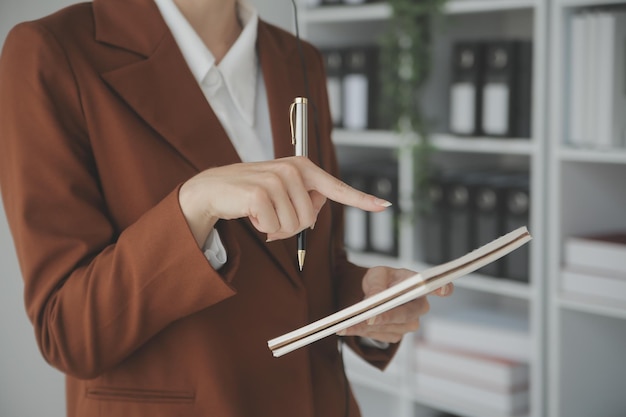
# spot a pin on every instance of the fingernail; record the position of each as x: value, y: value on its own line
x: 342, y: 332
x: 313, y: 226
x: 382, y: 203
x: 444, y: 290
x: 269, y: 240
x: 372, y: 320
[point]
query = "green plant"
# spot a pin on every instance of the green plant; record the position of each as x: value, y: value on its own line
x: 406, y: 59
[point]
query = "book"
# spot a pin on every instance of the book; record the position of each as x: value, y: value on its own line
x: 492, y: 372
x: 333, y: 61
x: 498, y: 332
x: 356, y: 228
x: 383, y: 226
x: 359, y: 88
x: 591, y: 81
x: 434, y: 221
x: 510, y: 404
x: 517, y: 266
x: 601, y: 252
x: 611, y: 129
x: 593, y: 283
x: 413, y: 287
x: 577, y: 80
x: 465, y: 89
x: 506, y: 90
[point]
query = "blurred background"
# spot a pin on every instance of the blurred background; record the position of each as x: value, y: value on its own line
x: 474, y: 117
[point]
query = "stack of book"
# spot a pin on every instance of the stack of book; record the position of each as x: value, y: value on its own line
x: 597, y: 86
x: 477, y: 359
x: 595, y: 265
x: 490, y: 91
x: 466, y: 209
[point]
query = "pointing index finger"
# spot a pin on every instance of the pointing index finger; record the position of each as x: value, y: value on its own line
x: 337, y: 190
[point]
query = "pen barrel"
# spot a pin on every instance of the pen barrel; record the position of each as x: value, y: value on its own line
x: 301, y: 126
x: 302, y: 240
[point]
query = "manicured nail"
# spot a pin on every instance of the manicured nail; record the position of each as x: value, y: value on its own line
x: 313, y: 226
x: 342, y: 332
x: 269, y: 240
x: 372, y: 320
x: 383, y: 203
x: 444, y: 290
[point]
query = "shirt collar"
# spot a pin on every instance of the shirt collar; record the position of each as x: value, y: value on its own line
x: 238, y: 67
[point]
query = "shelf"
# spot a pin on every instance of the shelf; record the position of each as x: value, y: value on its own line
x: 441, y: 141
x: 344, y: 14
x: 588, y: 3
x: 609, y: 156
x: 382, y: 11
x: 451, y: 143
x: 369, y: 138
x: 593, y: 305
x: 476, y: 6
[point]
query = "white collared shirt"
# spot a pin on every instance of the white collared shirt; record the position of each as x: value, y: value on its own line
x: 234, y: 88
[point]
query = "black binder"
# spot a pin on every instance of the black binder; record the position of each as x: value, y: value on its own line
x: 356, y: 222
x: 489, y: 215
x: 506, y: 89
x: 516, y: 264
x: 458, y: 193
x: 360, y: 85
x: 333, y: 59
x: 383, y: 226
x: 523, y: 128
x: 466, y: 89
x: 434, y: 217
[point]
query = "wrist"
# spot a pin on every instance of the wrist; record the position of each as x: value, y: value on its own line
x: 200, y: 222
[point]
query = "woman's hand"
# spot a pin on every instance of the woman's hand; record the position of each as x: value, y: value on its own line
x: 391, y: 325
x: 280, y: 197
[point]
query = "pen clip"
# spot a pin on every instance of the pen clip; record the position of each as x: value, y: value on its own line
x: 291, y: 124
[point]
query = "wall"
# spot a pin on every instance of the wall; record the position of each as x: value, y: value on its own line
x: 28, y: 386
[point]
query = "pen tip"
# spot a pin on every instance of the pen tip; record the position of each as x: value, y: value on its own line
x: 301, y: 255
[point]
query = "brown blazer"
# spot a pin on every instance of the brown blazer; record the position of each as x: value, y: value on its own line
x: 100, y: 122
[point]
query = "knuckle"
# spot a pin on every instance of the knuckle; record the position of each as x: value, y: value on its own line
x: 287, y: 169
x: 271, y: 179
x: 258, y: 196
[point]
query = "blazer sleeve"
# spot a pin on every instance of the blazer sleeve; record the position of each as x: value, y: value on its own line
x: 93, y: 294
x: 347, y: 275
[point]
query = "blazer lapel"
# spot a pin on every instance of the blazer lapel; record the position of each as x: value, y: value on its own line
x: 159, y: 86
x: 178, y: 110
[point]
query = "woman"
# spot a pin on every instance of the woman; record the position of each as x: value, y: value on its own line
x: 146, y: 171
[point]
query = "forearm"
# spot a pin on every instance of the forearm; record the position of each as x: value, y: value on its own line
x: 104, y: 310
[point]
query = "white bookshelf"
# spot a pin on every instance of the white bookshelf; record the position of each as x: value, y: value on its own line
x: 586, y: 335
x: 331, y: 26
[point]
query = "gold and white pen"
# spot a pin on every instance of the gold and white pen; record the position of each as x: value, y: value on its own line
x: 299, y: 121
